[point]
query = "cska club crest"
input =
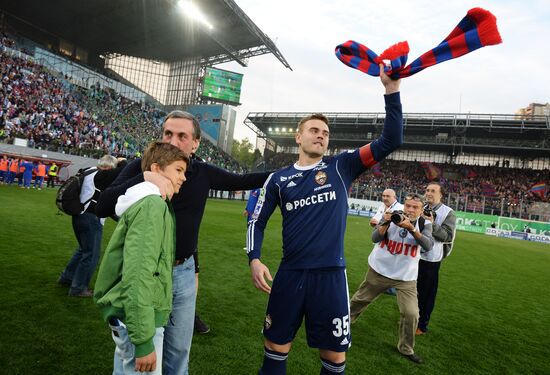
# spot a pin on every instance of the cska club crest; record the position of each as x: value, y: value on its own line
x: 321, y: 177
x: 267, y: 321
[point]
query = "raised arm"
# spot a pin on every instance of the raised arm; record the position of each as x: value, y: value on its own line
x: 392, y: 134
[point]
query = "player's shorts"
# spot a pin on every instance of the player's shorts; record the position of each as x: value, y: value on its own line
x: 319, y: 295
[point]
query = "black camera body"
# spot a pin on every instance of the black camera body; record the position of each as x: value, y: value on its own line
x: 428, y: 211
x: 397, y: 216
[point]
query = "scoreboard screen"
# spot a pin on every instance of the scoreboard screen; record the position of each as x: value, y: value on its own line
x: 222, y: 86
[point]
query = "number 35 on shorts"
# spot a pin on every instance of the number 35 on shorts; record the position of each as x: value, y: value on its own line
x: 341, y: 326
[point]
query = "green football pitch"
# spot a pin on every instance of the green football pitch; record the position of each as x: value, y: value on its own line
x: 492, y: 314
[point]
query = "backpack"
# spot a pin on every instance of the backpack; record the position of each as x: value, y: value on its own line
x: 68, y: 195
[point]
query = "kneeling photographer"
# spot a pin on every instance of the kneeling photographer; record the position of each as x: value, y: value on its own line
x: 400, y: 238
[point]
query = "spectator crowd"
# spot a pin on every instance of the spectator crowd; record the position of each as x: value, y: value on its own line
x: 48, y: 111
x: 512, y: 184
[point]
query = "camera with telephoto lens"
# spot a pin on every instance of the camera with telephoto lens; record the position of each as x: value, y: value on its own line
x: 428, y: 211
x: 397, y: 217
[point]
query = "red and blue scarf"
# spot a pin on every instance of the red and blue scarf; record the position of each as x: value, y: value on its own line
x: 478, y: 29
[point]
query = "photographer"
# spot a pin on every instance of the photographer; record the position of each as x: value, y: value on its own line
x: 389, y: 204
x: 443, y: 231
x: 400, y: 238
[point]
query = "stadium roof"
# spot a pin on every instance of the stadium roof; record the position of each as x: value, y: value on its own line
x: 445, y: 132
x: 151, y: 29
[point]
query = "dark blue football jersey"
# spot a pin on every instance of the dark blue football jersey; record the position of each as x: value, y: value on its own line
x: 314, y: 200
x: 314, y: 206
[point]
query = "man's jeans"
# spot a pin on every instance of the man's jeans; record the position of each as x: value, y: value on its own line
x: 125, y: 360
x: 81, y: 267
x: 179, y: 330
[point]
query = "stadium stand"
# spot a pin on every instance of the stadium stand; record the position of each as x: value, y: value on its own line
x: 105, y: 90
x: 45, y: 108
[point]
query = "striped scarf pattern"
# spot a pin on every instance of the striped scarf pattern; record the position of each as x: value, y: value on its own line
x: 478, y: 29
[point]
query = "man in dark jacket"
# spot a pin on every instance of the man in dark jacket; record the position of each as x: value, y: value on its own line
x: 182, y: 130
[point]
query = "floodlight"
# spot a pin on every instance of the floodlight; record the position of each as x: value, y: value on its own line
x: 192, y: 11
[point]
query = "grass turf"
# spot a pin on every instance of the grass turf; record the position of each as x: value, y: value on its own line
x: 491, y: 314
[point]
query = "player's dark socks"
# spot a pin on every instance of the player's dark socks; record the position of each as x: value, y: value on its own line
x: 331, y: 368
x: 274, y: 363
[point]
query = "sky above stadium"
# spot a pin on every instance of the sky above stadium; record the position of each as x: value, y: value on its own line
x: 494, y: 79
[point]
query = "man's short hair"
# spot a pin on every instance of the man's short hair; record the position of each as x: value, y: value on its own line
x: 441, y: 188
x: 163, y: 154
x: 107, y: 162
x: 315, y: 116
x: 187, y: 116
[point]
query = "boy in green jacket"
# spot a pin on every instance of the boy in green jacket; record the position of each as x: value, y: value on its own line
x: 134, y: 285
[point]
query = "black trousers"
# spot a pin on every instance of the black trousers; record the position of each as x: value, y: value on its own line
x: 51, y: 181
x: 426, y: 285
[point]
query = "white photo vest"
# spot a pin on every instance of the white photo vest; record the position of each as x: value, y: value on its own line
x: 436, y: 254
x: 397, y: 257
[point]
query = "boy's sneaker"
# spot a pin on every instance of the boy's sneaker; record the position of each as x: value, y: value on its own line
x: 63, y: 282
x: 200, y: 326
x: 85, y: 293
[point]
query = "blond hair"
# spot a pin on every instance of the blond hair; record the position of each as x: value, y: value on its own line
x: 315, y: 116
